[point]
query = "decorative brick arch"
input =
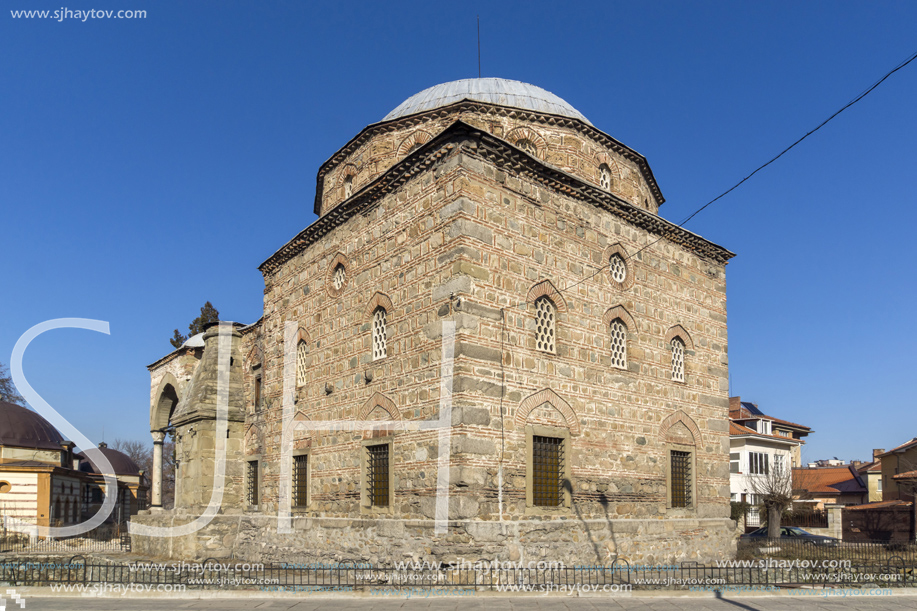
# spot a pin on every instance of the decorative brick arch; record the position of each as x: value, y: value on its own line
x: 675, y: 418
x: 379, y: 400
x: 380, y: 300
x: 679, y: 332
x: 252, y: 440
x: 619, y: 312
x: 338, y: 259
x: 415, y: 140
x: 545, y: 287
x: 547, y: 396
x: 348, y: 170
x: 618, y: 249
x: 299, y: 420
x: 527, y: 133
x: 255, y: 357
x: 302, y: 336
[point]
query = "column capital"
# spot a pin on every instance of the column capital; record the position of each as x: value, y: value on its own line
x: 158, y: 437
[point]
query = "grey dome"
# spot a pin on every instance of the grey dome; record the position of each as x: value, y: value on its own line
x: 195, y: 341
x: 490, y: 90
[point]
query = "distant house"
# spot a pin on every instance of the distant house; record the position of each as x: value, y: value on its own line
x: 834, y: 485
x: 899, y: 472
x: 871, y: 473
x: 759, y: 443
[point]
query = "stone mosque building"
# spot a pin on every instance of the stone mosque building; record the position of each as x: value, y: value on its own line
x: 589, y: 401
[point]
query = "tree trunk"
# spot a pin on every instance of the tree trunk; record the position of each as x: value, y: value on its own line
x: 774, y: 514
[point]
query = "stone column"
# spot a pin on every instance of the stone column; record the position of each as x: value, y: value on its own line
x: 158, y: 438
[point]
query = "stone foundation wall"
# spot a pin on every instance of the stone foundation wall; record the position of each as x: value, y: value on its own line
x: 383, y: 542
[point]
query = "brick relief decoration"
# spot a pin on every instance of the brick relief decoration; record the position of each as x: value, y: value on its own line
x: 679, y: 428
x: 252, y: 441
x: 380, y: 299
x: 620, y: 312
x: 546, y: 288
x: 379, y: 407
x: 302, y: 437
x: 528, y: 140
x: 616, y: 250
x: 413, y: 142
x: 679, y: 331
x: 538, y: 400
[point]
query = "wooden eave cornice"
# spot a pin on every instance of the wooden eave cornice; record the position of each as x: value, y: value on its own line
x: 499, y: 152
x: 484, y: 108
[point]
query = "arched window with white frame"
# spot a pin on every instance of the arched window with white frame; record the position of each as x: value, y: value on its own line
x: 545, y: 324
x: 380, y: 341
x: 302, y: 351
x: 678, y: 359
x: 618, y: 331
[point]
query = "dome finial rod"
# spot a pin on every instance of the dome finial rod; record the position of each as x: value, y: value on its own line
x: 479, y: 46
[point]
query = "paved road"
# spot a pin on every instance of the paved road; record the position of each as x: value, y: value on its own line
x: 896, y: 602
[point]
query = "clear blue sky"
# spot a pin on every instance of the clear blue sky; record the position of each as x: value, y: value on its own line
x: 149, y: 165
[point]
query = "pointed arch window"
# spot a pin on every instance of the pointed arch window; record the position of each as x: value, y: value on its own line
x: 545, y: 324
x: 617, y: 268
x: 678, y: 359
x: 618, y: 332
x: 348, y: 187
x: 380, y: 341
x: 302, y: 351
x: 339, y: 277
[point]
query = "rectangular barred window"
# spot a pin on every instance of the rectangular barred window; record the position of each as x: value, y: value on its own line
x: 252, y: 491
x: 681, y: 479
x: 547, y: 471
x: 377, y: 475
x: 300, y: 485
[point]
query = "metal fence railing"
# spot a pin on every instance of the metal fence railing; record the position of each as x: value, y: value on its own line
x: 893, y: 571
x: 860, y: 552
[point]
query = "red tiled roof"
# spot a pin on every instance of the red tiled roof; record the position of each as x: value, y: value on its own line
x: 738, y: 429
x: 873, y: 467
x: 903, y: 446
x: 880, y: 505
x: 788, y: 423
x: 832, y: 480
x: 906, y: 475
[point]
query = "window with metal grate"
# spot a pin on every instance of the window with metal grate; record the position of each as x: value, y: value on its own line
x: 300, y: 481
x: 252, y: 491
x: 681, y: 478
x: 547, y: 471
x: 377, y: 475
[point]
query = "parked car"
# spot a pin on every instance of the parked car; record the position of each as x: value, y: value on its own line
x: 793, y: 533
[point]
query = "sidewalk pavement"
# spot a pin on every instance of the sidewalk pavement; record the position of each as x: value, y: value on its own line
x: 658, y: 601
